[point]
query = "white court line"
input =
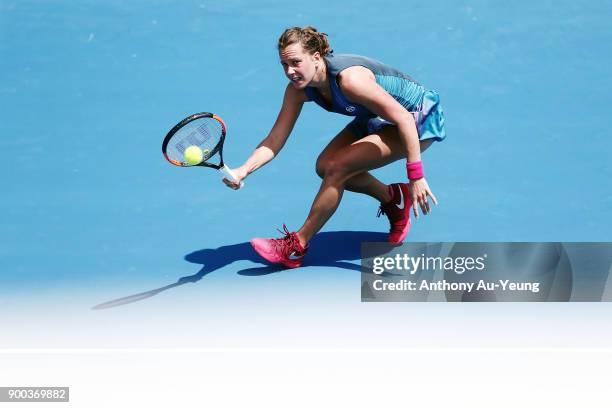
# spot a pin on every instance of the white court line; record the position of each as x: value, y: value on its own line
x: 305, y: 350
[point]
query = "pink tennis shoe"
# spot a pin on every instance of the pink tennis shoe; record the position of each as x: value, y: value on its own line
x: 398, y: 212
x: 287, y: 250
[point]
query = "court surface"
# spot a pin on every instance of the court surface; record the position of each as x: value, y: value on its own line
x: 92, y: 214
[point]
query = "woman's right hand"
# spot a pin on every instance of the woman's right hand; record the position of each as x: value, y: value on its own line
x: 241, y: 173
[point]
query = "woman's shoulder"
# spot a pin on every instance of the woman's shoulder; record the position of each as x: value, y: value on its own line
x: 339, y: 62
x: 336, y: 63
x: 354, y: 75
x: 349, y: 67
x: 348, y: 57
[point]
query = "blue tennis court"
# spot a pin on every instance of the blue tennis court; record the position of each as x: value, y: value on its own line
x: 92, y: 214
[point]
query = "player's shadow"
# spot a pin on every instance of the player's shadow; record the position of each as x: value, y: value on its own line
x: 329, y: 249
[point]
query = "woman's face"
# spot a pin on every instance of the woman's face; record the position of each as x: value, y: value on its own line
x: 300, y: 66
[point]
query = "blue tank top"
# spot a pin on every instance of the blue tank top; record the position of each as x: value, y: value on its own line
x: 400, y: 86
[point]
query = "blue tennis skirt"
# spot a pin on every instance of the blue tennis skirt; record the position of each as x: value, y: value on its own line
x: 429, y: 120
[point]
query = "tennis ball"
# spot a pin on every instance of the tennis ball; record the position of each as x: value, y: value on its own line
x: 193, y: 155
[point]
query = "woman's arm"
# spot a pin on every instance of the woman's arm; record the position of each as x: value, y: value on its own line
x: 269, y: 147
x: 359, y: 85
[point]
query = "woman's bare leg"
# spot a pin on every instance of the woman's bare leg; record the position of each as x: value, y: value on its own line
x: 344, y: 164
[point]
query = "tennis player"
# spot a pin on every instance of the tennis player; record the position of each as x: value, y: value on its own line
x: 395, y: 118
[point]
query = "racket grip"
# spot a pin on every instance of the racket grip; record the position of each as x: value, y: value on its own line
x: 228, y: 174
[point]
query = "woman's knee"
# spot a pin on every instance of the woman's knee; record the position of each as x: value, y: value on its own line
x: 333, y: 170
x: 336, y: 170
x: 321, y: 166
x: 340, y: 141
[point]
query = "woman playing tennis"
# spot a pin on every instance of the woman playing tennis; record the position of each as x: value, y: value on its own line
x: 395, y: 118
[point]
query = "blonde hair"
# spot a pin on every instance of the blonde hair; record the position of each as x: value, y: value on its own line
x: 309, y: 37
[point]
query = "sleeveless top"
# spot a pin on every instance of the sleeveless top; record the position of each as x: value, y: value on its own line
x: 400, y: 86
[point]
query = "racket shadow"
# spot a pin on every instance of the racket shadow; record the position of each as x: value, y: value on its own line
x: 329, y: 249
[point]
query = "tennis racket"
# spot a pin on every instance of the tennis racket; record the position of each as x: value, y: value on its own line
x: 204, y: 130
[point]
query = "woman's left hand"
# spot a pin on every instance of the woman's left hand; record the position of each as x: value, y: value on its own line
x: 419, y: 189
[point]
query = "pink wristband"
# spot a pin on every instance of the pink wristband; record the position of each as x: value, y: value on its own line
x: 415, y: 170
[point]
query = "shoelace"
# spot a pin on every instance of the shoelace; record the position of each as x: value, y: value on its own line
x: 381, y: 211
x: 289, y: 243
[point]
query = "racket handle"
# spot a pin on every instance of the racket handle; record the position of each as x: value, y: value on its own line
x: 228, y: 174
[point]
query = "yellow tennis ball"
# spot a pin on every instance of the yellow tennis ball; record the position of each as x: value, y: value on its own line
x: 193, y: 155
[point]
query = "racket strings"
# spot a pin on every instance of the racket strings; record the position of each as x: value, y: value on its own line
x: 206, y: 133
